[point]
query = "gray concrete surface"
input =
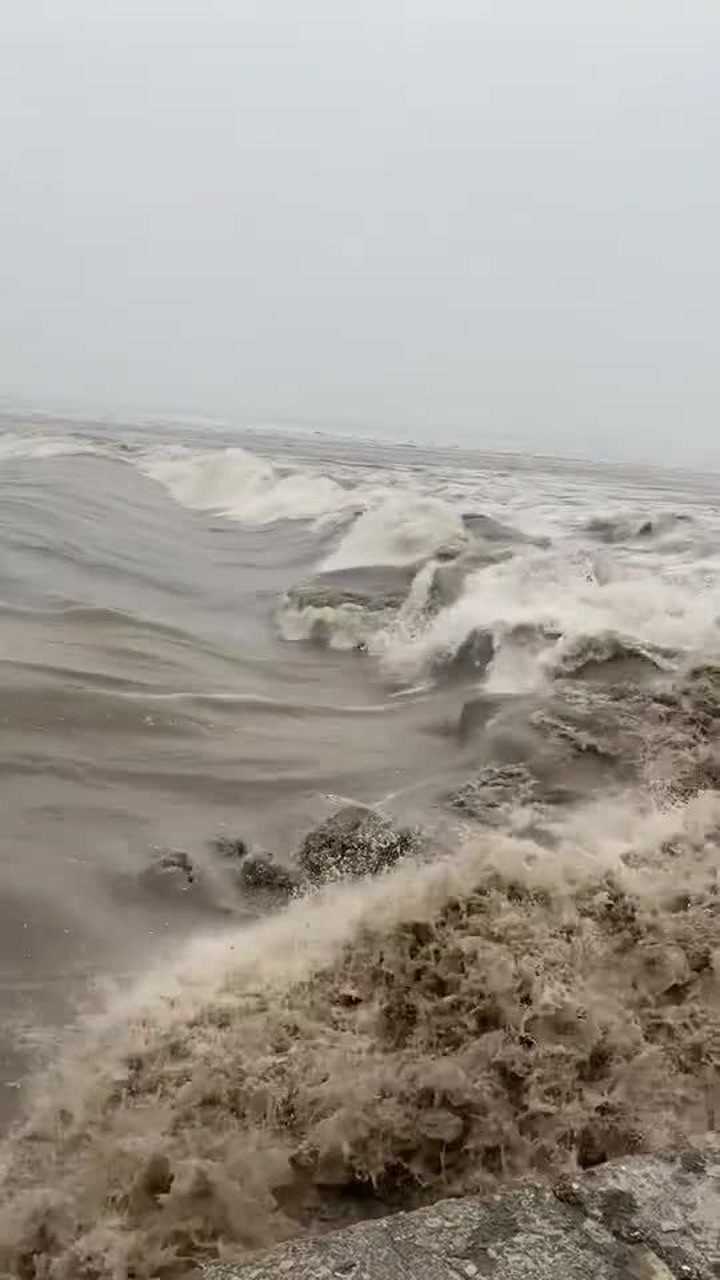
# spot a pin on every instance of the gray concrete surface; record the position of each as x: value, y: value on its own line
x: 645, y: 1218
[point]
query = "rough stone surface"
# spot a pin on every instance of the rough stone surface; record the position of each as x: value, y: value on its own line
x: 258, y: 871
x: 353, y: 842
x: 648, y: 1218
x: 496, y: 789
x: 254, y: 871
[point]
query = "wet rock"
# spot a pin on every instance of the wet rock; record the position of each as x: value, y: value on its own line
x: 354, y: 842
x: 254, y: 870
x: 181, y: 882
x: 172, y: 866
x: 644, y: 1218
x: 258, y: 871
x: 345, y: 607
x: 497, y: 789
x: 470, y: 661
x: 700, y: 694
x: 375, y: 588
x: 231, y: 847
x: 482, y: 526
x: 628, y: 528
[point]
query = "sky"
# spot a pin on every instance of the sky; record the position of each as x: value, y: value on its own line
x: 494, y: 224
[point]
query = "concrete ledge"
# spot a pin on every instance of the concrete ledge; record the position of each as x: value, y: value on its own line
x: 645, y: 1218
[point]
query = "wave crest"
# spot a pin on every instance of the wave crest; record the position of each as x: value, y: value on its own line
x: 437, y: 1031
x: 245, y: 487
x: 401, y: 531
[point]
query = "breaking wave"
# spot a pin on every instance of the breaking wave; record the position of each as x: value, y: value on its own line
x: 540, y: 605
x: 542, y: 998
x: 243, y: 486
x: 404, y: 530
x: 437, y: 1031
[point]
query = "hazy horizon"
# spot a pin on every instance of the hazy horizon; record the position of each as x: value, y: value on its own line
x: 492, y: 226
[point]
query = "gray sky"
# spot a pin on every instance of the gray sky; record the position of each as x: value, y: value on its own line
x: 486, y: 222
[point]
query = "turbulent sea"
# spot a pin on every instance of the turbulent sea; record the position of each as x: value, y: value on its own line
x: 211, y: 637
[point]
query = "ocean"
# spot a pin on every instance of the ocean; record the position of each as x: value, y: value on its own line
x: 214, y: 640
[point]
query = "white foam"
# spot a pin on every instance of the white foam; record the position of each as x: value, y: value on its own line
x: 557, y: 594
x: 344, y: 626
x: 15, y: 446
x: 245, y: 487
x: 402, y: 530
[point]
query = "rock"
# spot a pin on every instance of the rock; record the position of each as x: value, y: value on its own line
x: 230, y: 847
x: 645, y: 1218
x: 470, y: 661
x: 172, y: 868
x: 627, y: 528
x: 255, y: 870
x: 344, y: 607
x: 701, y: 694
x: 482, y: 526
x: 375, y: 588
x: 496, y: 790
x: 258, y: 871
x: 353, y: 842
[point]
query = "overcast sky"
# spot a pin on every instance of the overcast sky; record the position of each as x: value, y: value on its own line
x: 453, y: 219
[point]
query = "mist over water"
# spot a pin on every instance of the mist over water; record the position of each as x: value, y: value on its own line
x: 211, y: 634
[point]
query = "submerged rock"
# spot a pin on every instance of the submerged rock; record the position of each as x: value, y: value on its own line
x: 482, y: 526
x: 172, y: 868
x: 343, y: 608
x: 354, y: 842
x: 627, y: 528
x: 700, y: 693
x: 231, y: 847
x: 643, y: 1218
x: 376, y: 587
x: 495, y: 790
x: 260, y: 872
x: 255, y: 870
